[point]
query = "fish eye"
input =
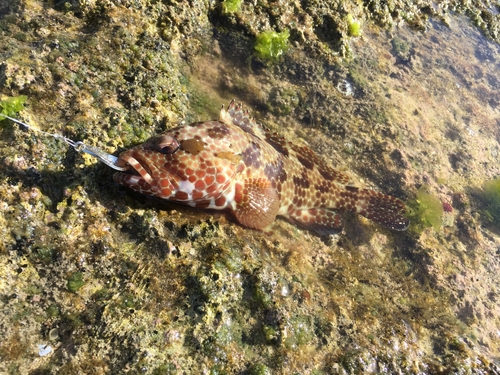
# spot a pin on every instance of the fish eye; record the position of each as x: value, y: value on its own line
x: 167, y: 144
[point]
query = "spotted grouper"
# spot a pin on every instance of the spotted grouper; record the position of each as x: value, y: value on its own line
x: 235, y: 164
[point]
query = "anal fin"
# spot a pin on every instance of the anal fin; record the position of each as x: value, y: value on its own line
x: 323, y: 221
x: 257, y: 203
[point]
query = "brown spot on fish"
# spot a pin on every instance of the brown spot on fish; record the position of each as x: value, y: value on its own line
x: 230, y: 156
x: 279, y: 144
x: 218, y: 132
x: 307, y: 163
x: 194, y: 145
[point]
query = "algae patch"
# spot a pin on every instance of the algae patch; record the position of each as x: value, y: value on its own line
x: 270, y: 45
x: 12, y: 105
x: 75, y: 282
x: 354, y: 26
x: 491, y: 196
x: 231, y: 6
x: 425, y: 211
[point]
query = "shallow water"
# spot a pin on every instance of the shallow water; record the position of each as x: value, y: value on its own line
x: 116, y: 282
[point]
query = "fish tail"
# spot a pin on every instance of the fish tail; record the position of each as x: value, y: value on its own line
x: 382, y: 208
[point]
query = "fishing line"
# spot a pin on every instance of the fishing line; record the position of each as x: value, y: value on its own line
x: 79, y: 146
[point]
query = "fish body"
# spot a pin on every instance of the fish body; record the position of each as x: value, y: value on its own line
x: 234, y: 164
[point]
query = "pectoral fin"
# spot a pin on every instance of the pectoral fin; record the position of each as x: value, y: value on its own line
x: 257, y: 203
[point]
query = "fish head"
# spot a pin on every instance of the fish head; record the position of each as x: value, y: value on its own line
x: 182, y: 165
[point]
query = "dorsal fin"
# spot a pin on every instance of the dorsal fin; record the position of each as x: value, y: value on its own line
x: 235, y: 114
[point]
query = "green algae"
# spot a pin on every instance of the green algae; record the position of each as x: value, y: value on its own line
x: 425, y: 211
x: 166, y: 369
x: 354, y: 26
x: 491, y: 197
x: 45, y: 254
x: 262, y: 293
x: 129, y: 301
x: 259, y: 369
x: 12, y: 105
x: 271, y: 45
x: 299, y: 330
x: 231, y: 6
x: 75, y: 282
x: 53, y: 311
x: 271, y: 334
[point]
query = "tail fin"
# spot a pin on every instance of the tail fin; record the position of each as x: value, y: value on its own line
x: 382, y: 208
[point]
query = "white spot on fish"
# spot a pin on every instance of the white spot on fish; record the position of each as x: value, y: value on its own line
x: 186, y: 187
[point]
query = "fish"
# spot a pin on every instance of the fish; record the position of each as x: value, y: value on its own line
x: 235, y: 164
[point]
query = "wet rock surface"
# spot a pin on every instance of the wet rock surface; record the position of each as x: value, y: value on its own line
x: 94, y: 278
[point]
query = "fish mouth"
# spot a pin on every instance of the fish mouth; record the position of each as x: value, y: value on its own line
x: 137, y: 170
x: 142, y: 176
